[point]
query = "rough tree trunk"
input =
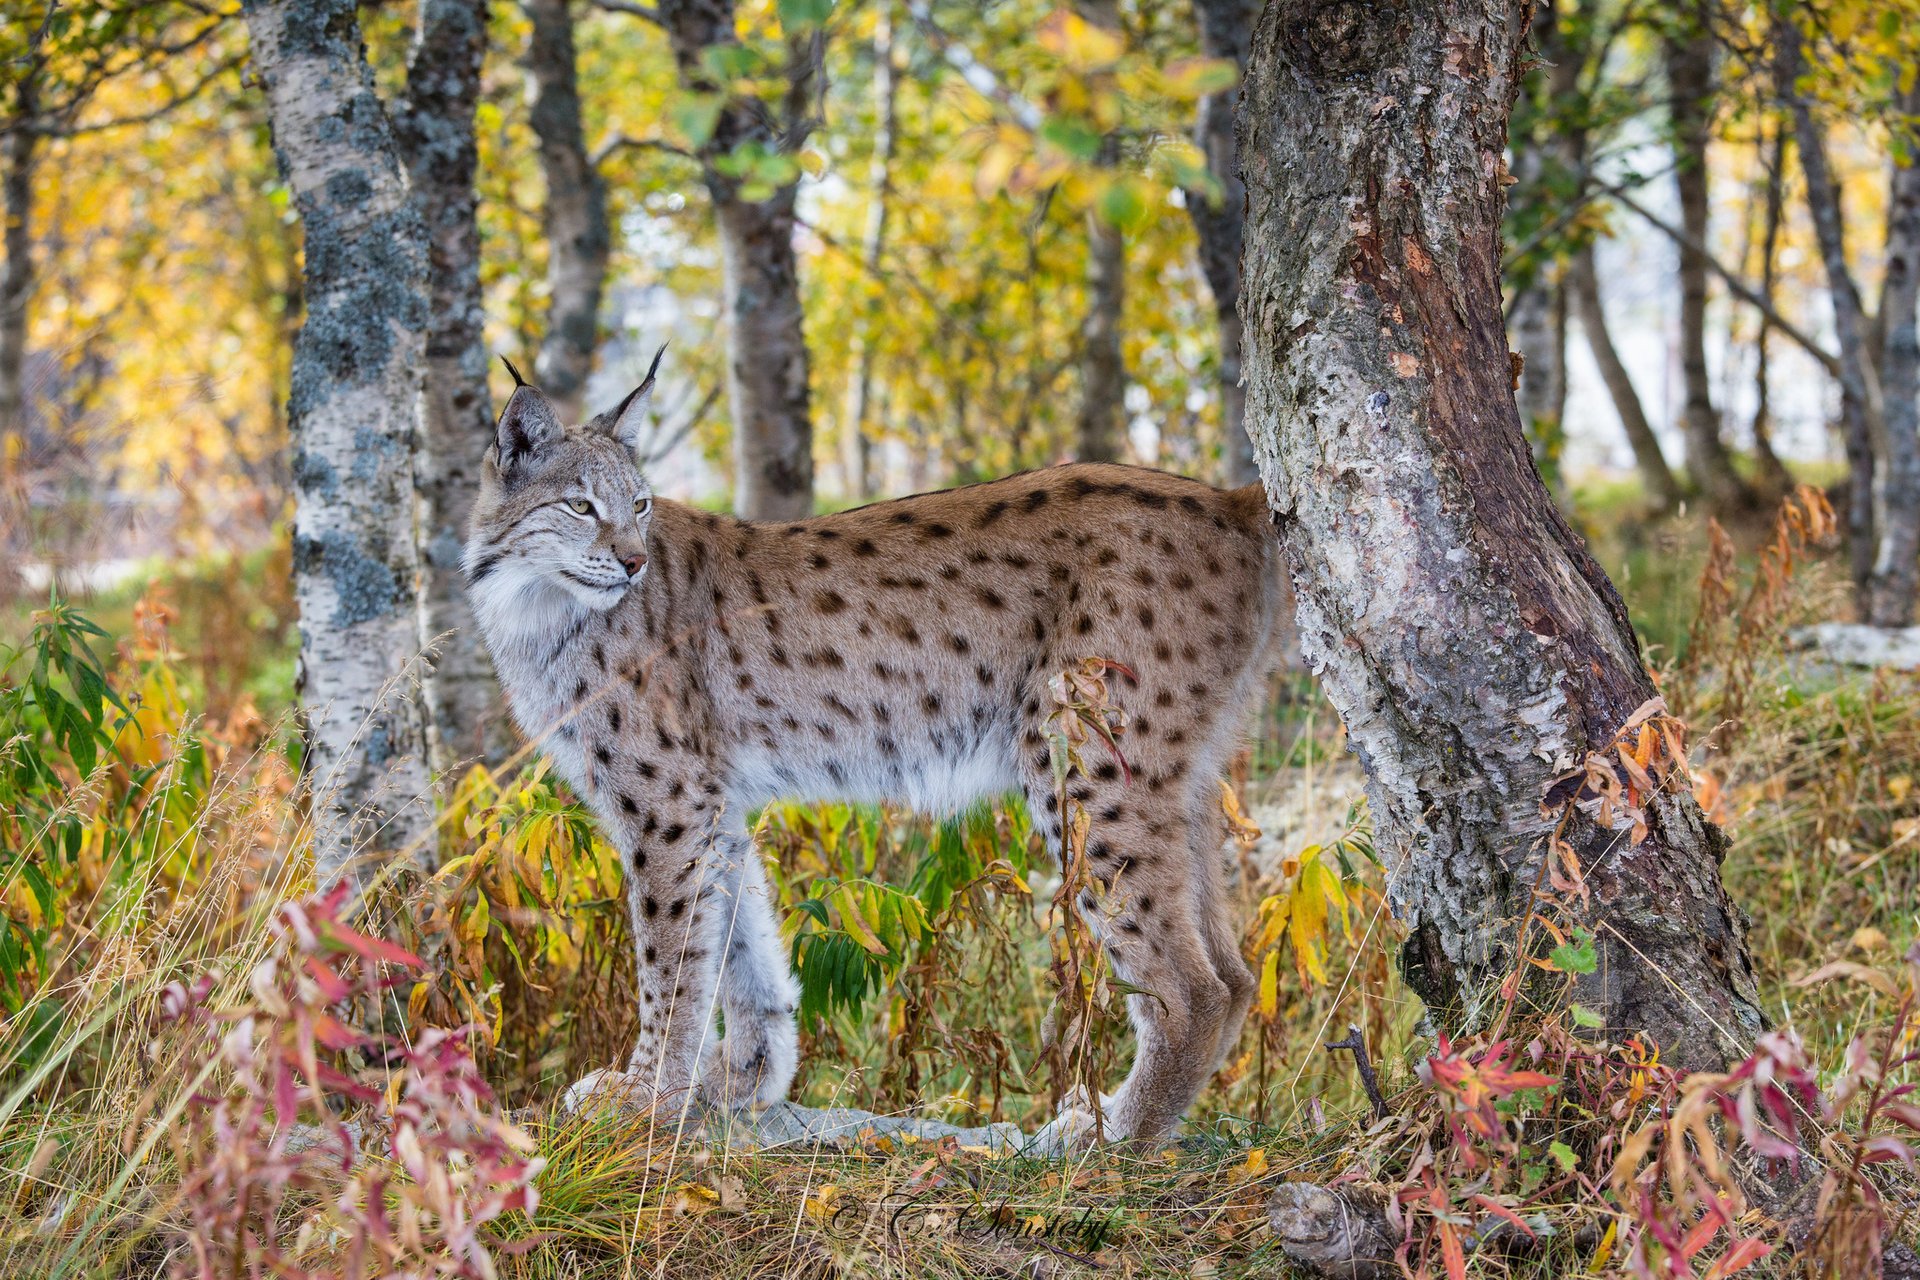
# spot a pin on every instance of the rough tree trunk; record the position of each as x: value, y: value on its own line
x: 1226, y: 31
x: 16, y: 273
x: 1858, y: 391
x: 1690, y: 82
x: 433, y: 126
x: 574, y: 220
x: 766, y: 342
x: 354, y: 414
x: 1895, y: 567
x: 1469, y: 642
x: 856, y: 444
x: 1663, y: 490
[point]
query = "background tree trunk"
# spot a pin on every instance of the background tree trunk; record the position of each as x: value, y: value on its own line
x: 1775, y: 481
x: 575, y: 218
x: 1690, y: 82
x: 1470, y: 644
x: 1101, y: 425
x: 766, y: 341
x: 1858, y: 392
x: 1895, y: 566
x: 354, y: 418
x: 433, y: 127
x: 856, y: 443
x: 1226, y: 31
x: 1103, y: 370
x: 1583, y: 282
x: 16, y: 273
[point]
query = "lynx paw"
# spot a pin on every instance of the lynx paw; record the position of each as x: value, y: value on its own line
x: 1075, y: 1129
x: 607, y: 1089
x: 752, y: 1068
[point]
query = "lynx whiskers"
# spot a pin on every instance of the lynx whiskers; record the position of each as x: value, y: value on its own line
x: 683, y: 668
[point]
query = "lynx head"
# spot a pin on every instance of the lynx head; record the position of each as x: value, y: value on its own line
x: 560, y: 509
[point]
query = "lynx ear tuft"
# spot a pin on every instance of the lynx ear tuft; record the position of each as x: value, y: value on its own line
x: 527, y: 425
x: 627, y: 421
x: 518, y: 381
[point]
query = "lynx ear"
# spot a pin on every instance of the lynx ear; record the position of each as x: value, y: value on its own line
x: 528, y: 423
x: 627, y: 421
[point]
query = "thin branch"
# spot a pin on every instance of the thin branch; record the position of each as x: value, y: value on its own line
x: 643, y: 11
x: 1735, y: 285
x: 976, y: 73
x: 180, y: 99
x: 621, y: 142
x: 1356, y: 1043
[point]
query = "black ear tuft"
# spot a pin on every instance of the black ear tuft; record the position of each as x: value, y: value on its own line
x: 626, y: 421
x: 527, y: 425
x: 518, y: 381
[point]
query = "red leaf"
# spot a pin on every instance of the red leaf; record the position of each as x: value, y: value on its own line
x: 371, y: 948
x: 1742, y: 1255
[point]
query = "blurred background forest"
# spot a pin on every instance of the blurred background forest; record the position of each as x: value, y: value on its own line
x: 966, y: 239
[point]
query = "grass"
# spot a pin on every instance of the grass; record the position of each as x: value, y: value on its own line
x: 188, y: 839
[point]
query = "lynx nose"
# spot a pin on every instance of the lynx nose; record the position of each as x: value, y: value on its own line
x: 633, y: 563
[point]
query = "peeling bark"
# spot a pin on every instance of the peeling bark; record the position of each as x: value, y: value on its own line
x: 1226, y: 31
x: 353, y: 414
x: 1663, y: 490
x: 574, y: 220
x: 1894, y: 570
x: 1690, y: 83
x: 1858, y: 390
x: 433, y: 127
x: 766, y: 340
x: 1471, y: 645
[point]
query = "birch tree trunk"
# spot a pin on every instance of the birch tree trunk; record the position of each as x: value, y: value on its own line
x: 1858, y: 389
x: 1472, y: 647
x: 433, y: 126
x: 767, y: 367
x: 856, y: 443
x: 1226, y: 31
x: 1895, y: 567
x: 1775, y: 480
x: 574, y: 220
x: 1690, y: 84
x: 16, y: 273
x: 1101, y: 424
x: 1583, y: 282
x: 354, y: 415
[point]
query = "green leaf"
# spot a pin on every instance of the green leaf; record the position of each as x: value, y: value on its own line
x: 805, y: 13
x: 1585, y: 1017
x: 1563, y: 1155
x: 1576, y: 956
x: 1072, y: 135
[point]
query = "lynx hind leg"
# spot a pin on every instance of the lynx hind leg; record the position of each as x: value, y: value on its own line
x: 752, y: 1065
x: 1151, y: 923
x: 1208, y: 834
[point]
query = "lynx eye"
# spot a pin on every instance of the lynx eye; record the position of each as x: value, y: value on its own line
x: 642, y: 505
x: 580, y: 506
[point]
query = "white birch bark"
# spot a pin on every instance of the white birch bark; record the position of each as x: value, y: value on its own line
x: 354, y: 414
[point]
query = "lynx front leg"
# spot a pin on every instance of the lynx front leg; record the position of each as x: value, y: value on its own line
x: 678, y: 911
x: 752, y: 1065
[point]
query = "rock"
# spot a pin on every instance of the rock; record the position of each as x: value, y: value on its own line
x: 1856, y: 645
x: 1332, y: 1234
x: 787, y: 1124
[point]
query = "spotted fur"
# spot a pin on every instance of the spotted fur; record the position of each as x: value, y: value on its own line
x: 898, y: 652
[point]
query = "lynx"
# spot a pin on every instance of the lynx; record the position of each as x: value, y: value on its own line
x: 683, y: 668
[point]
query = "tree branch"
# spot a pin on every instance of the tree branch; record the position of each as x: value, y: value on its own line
x: 631, y: 7
x: 621, y: 142
x: 1735, y: 285
x: 975, y: 72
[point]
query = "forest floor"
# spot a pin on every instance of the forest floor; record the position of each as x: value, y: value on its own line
x: 146, y: 923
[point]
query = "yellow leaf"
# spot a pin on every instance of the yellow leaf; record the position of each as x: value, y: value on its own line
x: 855, y: 923
x: 1270, y: 984
x: 822, y: 1204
